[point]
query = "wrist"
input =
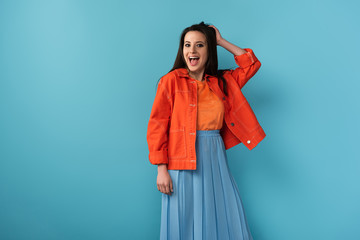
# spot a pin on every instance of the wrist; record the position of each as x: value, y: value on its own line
x: 221, y: 41
x: 162, y: 167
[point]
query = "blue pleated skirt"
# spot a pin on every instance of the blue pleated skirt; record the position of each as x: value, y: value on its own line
x: 206, y: 203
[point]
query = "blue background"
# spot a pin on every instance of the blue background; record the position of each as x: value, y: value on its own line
x: 77, y: 83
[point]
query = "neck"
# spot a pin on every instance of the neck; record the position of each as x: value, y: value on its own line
x: 197, y: 75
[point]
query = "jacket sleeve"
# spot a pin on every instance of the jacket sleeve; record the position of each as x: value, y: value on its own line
x: 157, y: 131
x: 248, y: 65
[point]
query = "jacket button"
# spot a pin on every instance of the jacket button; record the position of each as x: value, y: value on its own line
x: 223, y: 98
x: 232, y: 124
x: 248, y: 141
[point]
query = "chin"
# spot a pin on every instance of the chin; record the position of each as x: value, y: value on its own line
x: 194, y: 69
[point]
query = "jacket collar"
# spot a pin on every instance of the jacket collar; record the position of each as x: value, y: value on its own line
x: 183, y: 72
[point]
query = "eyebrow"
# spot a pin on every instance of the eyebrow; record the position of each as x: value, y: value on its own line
x: 197, y: 41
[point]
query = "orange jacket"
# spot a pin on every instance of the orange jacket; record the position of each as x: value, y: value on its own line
x: 171, y: 132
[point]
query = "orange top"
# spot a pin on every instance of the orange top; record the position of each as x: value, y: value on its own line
x: 210, y: 109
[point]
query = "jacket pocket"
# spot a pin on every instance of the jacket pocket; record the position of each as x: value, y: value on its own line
x: 177, y: 144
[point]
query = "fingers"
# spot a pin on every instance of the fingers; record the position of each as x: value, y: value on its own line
x: 161, y: 188
x: 213, y: 27
x: 165, y: 188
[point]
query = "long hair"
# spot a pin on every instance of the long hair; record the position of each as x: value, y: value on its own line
x: 211, y: 65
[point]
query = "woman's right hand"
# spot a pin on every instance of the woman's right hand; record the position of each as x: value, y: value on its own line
x: 164, y: 182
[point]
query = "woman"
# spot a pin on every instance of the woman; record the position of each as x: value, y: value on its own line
x: 198, y: 113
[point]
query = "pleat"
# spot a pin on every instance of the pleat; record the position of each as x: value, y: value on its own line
x: 208, y: 200
x: 206, y: 203
x: 222, y: 214
x: 198, y: 183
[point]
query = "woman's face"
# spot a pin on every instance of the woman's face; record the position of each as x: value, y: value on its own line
x: 195, y: 45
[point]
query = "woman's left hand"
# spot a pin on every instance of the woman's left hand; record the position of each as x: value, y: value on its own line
x: 218, y: 35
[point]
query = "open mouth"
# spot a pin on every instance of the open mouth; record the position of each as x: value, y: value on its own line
x: 193, y: 60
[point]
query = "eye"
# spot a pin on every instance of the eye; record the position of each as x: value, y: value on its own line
x: 199, y: 45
